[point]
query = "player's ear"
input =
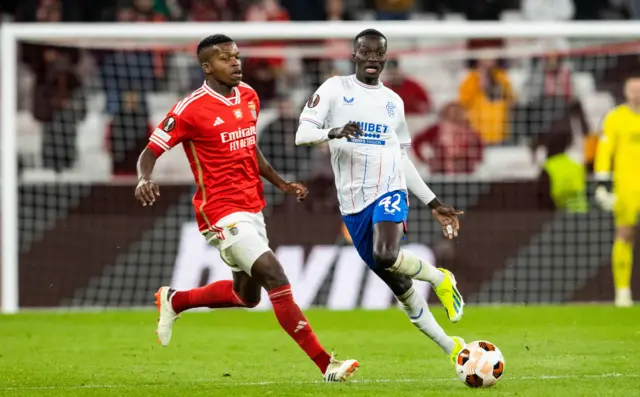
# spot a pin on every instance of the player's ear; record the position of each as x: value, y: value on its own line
x: 206, y: 68
x: 353, y: 56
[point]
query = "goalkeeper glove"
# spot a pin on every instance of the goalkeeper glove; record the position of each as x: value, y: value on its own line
x: 605, y: 199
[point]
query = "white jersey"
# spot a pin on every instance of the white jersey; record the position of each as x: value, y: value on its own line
x: 371, y: 166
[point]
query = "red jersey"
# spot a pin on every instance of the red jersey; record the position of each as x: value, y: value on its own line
x: 219, y: 137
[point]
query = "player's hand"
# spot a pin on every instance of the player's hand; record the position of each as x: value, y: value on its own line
x: 605, y: 199
x: 350, y: 130
x: 296, y: 188
x: 448, y: 218
x: 147, y: 191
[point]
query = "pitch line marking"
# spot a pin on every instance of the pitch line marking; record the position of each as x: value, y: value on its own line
x: 268, y: 383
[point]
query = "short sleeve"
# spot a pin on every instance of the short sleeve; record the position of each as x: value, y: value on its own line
x: 173, y: 130
x: 317, y: 109
x: 402, y: 131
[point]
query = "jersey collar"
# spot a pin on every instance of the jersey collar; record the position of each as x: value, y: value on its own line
x: 367, y: 86
x: 234, y: 100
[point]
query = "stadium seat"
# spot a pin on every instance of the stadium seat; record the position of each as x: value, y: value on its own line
x: 30, y: 138
x: 161, y: 102
x: 596, y: 106
x: 583, y: 83
x: 511, y: 16
x: 518, y: 78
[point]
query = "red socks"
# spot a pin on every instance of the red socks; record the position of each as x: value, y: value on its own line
x: 220, y: 294
x: 296, y: 325
x: 215, y: 295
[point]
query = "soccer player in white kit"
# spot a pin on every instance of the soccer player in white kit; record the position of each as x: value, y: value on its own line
x: 364, y: 123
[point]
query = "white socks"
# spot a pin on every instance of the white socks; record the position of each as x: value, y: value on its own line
x: 410, y: 265
x: 418, y: 311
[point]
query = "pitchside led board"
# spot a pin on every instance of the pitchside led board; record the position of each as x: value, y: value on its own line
x: 329, y: 276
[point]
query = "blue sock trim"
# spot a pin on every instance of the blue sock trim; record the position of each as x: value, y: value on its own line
x: 418, y: 316
x: 419, y: 270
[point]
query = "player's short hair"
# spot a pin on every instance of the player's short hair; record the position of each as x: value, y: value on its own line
x: 212, y: 40
x: 368, y: 32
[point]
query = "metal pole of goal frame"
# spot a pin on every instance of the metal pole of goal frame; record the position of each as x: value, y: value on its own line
x: 9, y: 170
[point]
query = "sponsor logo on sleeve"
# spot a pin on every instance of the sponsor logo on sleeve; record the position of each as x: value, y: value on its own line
x: 168, y: 124
x: 313, y: 101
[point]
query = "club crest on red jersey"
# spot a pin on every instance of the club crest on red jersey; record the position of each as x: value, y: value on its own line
x: 237, y: 113
x: 313, y: 101
x: 169, y: 124
x: 254, y: 113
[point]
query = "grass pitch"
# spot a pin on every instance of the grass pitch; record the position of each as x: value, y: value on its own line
x: 563, y: 351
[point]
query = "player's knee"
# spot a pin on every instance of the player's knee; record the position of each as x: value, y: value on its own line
x: 385, y: 256
x: 252, y: 304
x: 269, y: 272
x: 398, y: 283
x: 625, y: 234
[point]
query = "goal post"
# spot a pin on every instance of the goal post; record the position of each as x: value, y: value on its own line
x: 102, y: 35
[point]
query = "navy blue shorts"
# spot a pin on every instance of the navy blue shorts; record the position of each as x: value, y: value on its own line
x: 392, y: 207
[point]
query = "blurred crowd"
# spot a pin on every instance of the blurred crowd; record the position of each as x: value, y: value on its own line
x: 309, y: 10
x: 53, y: 82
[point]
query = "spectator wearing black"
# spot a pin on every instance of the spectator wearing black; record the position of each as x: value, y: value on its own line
x: 128, y: 133
x: 58, y: 98
x: 277, y: 141
x: 126, y: 70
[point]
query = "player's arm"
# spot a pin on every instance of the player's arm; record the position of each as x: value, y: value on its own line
x: 311, y: 130
x: 173, y: 130
x: 445, y: 214
x: 147, y: 190
x: 606, y: 147
x: 271, y: 175
x: 602, y: 162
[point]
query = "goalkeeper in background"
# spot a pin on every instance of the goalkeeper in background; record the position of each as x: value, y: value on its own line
x: 620, y: 147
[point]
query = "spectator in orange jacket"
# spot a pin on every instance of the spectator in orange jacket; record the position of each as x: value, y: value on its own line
x: 487, y: 95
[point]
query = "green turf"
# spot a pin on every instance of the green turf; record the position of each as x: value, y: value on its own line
x: 563, y: 351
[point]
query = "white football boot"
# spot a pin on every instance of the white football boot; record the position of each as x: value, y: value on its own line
x: 623, y: 297
x: 340, y: 371
x: 167, y: 316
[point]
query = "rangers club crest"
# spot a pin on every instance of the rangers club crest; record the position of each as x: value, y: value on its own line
x: 254, y: 113
x: 391, y: 109
x: 238, y: 113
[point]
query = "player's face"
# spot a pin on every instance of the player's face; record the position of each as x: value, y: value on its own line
x: 370, y: 55
x: 632, y: 91
x: 224, y: 64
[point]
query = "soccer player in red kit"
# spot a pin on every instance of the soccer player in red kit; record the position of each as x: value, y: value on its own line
x: 216, y: 125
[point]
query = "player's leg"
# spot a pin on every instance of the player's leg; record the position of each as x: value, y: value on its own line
x: 389, y: 220
x: 626, y: 215
x: 386, y: 250
x: 219, y: 294
x: 253, y: 255
x: 267, y: 271
x: 361, y: 230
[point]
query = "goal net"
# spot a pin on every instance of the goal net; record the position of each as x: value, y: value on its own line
x: 485, y: 103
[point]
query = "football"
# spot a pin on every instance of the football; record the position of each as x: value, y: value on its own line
x: 480, y: 364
